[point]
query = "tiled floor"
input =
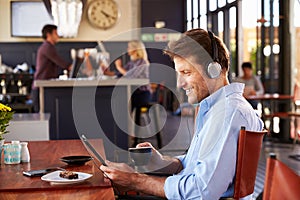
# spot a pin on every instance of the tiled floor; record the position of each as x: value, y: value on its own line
x: 283, y: 152
x: 178, y: 131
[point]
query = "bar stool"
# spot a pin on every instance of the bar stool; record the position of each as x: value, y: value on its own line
x: 145, y: 117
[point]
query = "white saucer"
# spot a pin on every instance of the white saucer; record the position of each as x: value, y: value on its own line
x: 54, y: 177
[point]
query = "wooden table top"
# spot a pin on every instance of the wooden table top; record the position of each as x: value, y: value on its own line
x: 294, y: 114
x: 270, y: 97
x: 45, y: 154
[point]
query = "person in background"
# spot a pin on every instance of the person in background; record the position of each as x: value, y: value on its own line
x: 253, y: 85
x: 207, y: 170
x: 88, y: 67
x: 137, y: 67
x: 48, y: 61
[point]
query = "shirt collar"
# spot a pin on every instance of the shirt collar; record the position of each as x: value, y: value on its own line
x: 223, y: 92
x: 45, y: 41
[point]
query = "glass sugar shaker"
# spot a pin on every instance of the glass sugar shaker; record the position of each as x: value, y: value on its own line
x: 25, y: 156
x: 16, y: 152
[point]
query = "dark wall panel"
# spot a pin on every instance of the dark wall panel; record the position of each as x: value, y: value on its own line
x: 170, y: 11
x: 20, y: 52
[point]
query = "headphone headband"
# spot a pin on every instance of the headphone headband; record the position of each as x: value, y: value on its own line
x: 214, y: 46
x: 214, y: 69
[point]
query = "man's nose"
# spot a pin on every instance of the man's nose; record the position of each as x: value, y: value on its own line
x: 180, y: 81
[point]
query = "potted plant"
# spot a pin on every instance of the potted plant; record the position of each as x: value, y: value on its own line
x: 6, y: 115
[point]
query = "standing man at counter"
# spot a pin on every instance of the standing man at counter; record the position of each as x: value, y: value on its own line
x: 48, y: 61
x: 207, y: 170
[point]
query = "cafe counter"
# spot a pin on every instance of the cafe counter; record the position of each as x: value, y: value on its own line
x: 96, y: 108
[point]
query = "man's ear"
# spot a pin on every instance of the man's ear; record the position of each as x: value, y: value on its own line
x: 48, y: 35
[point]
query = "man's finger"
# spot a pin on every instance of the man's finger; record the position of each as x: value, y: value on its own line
x: 144, y: 144
x: 104, y: 168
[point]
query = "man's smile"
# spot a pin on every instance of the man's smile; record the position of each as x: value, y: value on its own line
x: 188, y: 91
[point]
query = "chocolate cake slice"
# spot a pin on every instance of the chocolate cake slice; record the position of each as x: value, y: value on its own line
x: 68, y: 175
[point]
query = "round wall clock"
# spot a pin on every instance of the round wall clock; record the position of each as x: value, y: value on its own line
x: 103, y: 14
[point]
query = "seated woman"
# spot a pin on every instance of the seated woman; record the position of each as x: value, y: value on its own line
x: 137, y: 67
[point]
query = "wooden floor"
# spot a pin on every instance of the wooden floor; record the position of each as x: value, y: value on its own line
x: 176, y: 139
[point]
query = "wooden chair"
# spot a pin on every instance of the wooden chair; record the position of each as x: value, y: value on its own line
x: 281, y: 182
x: 249, y: 147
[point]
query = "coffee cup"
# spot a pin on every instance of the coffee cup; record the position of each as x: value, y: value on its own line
x: 140, y: 155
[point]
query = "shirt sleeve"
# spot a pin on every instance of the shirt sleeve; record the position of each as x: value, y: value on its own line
x: 180, y: 158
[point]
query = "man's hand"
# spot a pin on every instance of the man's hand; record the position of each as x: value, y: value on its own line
x: 70, y: 67
x: 124, y: 178
x: 120, y: 166
x: 119, y: 174
x: 156, y: 161
x: 161, y: 163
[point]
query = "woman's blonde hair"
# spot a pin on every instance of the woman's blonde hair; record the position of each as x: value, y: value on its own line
x: 140, y: 49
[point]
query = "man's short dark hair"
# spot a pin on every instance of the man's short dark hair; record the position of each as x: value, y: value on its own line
x: 48, y: 28
x: 197, y: 43
x: 247, y: 65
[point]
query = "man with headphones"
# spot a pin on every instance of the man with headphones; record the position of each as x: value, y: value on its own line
x: 207, y: 170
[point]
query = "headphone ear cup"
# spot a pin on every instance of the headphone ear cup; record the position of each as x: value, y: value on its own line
x: 214, y: 70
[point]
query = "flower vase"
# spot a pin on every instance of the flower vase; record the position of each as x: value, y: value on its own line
x: 1, y: 148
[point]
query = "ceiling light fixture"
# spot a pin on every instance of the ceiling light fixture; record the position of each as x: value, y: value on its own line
x: 67, y: 16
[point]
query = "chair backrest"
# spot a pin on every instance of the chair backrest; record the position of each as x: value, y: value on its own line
x: 249, y: 146
x: 281, y: 182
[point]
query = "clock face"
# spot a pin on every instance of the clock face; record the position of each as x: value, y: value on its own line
x: 103, y: 13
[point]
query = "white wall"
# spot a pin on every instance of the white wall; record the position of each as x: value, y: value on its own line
x: 129, y: 19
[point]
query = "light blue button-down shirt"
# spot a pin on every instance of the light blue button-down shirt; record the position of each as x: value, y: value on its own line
x: 209, y: 165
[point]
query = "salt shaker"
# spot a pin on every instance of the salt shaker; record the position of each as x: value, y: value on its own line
x: 25, y: 156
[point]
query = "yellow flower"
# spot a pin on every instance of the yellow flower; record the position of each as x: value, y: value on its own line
x: 6, y: 114
x: 4, y: 107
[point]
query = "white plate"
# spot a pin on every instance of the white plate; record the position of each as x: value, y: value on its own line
x: 54, y: 177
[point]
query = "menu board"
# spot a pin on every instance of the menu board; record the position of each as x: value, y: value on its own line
x: 28, y: 18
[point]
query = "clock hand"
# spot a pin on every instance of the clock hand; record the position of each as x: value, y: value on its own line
x: 107, y: 15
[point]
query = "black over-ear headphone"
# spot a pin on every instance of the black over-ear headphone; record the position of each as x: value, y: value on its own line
x: 213, y: 69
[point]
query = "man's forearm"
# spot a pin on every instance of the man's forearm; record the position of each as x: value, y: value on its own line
x: 165, y: 165
x: 174, y: 165
x: 152, y: 185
